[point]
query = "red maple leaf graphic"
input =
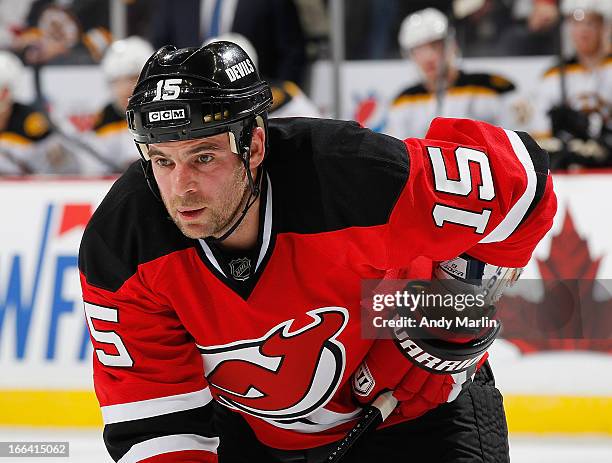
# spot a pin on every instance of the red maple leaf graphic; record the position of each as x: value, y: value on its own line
x: 568, y: 317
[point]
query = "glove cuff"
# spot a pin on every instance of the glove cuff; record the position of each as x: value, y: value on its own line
x: 441, y: 356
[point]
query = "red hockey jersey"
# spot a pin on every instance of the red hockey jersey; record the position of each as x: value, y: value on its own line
x: 276, y: 336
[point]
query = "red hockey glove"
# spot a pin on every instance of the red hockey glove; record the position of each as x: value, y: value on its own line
x: 427, y: 365
x: 417, y: 390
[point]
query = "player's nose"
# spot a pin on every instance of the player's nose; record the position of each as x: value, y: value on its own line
x: 184, y: 179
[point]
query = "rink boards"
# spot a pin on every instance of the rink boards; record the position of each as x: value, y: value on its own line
x: 45, y: 354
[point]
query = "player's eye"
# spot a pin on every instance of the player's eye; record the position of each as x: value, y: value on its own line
x: 162, y: 162
x: 204, y: 158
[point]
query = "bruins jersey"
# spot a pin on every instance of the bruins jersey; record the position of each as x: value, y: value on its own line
x: 476, y: 96
x: 288, y: 100
x: 21, y: 140
x: 588, y: 91
x: 113, y: 143
x: 109, y: 120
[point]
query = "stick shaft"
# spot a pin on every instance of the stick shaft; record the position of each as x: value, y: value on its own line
x: 374, y: 415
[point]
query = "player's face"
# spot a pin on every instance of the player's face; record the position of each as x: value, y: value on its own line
x: 122, y: 89
x: 586, y: 30
x: 202, y: 183
x: 429, y: 58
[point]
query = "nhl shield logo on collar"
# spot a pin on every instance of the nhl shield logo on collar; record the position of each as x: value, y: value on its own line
x: 241, y: 268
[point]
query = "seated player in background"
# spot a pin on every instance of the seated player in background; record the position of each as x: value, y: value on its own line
x: 573, y: 118
x: 27, y: 143
x: 111, y: 139
x: 73, y: 31
x: 288, y: 100
x: 445, y: 90
x: 222, y: 274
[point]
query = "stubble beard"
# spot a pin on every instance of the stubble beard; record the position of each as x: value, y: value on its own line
x: 218, y: 217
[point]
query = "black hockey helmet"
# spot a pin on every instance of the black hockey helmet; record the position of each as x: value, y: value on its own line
x: 189, y: 93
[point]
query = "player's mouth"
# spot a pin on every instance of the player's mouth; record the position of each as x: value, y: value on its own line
x: 190, y: 214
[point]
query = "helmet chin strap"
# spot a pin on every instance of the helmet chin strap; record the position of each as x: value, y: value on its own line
x: 254, y: 194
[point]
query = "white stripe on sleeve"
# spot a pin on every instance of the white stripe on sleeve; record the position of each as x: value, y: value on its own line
x: 168, y: 444
x: 155, y: 407
x: 514, y: 216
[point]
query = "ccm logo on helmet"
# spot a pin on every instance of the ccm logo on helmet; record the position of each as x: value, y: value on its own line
x: 238, y: 71
x: 166, y: 115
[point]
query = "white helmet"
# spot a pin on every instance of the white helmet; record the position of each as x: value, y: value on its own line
x: 600, y: 7
x: 422, y: 27
x: 126, y: 57
x: 11, y: 70
x: 239, y: 40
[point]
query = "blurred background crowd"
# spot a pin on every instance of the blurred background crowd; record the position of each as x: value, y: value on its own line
x: 97, y: 47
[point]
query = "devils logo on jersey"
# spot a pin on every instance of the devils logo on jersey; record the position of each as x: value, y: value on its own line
x: 284, y: 374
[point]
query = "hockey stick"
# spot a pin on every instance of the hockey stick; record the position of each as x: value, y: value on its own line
x: 374, y: 414
x: 459, y: 9
x: 561, y: 59
x: 22, y: 166
x: 41, y: 102
x: 560, y: 158
x: 83, y: 146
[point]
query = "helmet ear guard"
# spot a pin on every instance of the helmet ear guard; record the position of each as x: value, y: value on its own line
x: 260, y: 121
x: 240, y: 143
x: 147, y: 170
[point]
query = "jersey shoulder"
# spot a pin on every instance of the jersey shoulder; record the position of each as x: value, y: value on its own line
x: 414, y: 94
x: 129, y: 228
x: 474, y: 186
x: 570, y: 64
x: 331, y: 174
x: 109, y: 120
x: 27, y: 123
x: 327, y: 140
x: 490, y: 83
x: 283, y: 92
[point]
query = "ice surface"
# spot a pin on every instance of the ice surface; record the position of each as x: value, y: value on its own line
x: 86, y: 446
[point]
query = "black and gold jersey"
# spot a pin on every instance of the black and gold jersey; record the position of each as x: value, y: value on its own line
x: 112, y: 141
x: 109, y: 121
x: 589, y: 90
x: 288, y: 100
x: 476, y: 96
x: 26, y: 128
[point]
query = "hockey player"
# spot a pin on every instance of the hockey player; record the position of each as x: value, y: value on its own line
x: 574, y: 101
x: 121, y: 64
x: 27, y: 143
x: 288, y: 100
x: 445, y: 90
x: 221, y: 275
